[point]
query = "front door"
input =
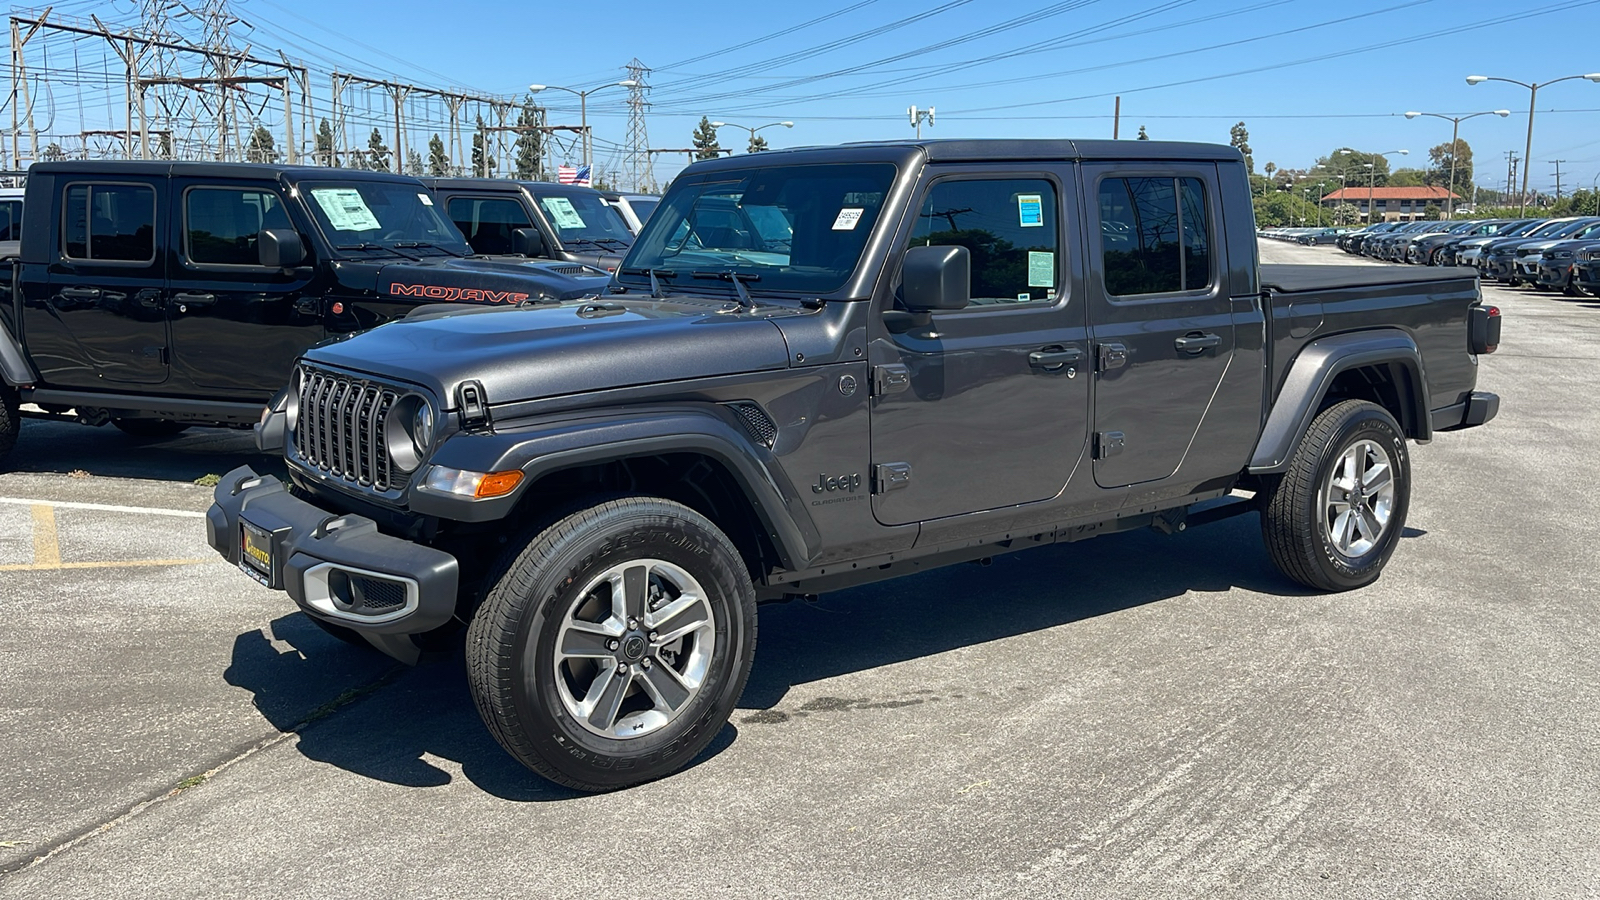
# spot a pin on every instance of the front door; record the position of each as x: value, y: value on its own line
x: 237, y: 326
x: 1161, y: 316
x: 987, y: 408
x: 106, y: 324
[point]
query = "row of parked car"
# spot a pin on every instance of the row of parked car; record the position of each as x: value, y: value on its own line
x: 1560, y: 254
x: 1309, y: 237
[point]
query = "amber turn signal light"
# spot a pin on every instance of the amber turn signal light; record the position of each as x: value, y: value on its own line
x: 498, y: 484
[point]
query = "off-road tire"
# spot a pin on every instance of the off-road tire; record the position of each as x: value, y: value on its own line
x: 512, y: 661
x: 10, y: 419
x: 1295, y: 517
x: 149, y: 429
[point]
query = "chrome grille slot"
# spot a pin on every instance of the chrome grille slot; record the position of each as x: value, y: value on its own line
x: 341, y: 425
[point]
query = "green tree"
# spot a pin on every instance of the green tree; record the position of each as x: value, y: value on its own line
x: 1269, y: 168
x: 1239, y: 139
x: 1142, y: 135
x: 1354, y: 164
x: 1346, y: 214
x: 1432, y: 212
x: 1440, y: 159
x: 52, y: 152
x: 530, y: 142
x: 377, y: 157
x: 438, y: 161
x: 757, y: 144
x: 164, y: 145
x: 1408, y: 178
x: 705, y: 141
x: 483, y: 164
x: 260, y: 149
x: 413, y: 163
x: 324, y: 153
x: 1277, y: 208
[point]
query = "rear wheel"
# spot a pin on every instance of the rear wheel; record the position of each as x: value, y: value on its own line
x: 1333, y: 519
x: 149, y: 429
x: 615, y: 644
x: 10, y: 419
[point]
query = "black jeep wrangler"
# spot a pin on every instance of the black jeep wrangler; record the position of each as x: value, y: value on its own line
x: 824, y: 367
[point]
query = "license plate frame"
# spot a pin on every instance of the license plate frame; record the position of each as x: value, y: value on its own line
x: 256, y: 552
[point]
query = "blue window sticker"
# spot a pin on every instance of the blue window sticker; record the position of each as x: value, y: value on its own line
x: 1030, y: 210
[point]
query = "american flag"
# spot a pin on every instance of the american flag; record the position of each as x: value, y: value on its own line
x: 578, y: 175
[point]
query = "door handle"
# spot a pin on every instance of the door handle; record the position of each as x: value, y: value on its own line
x: 1052, y: 358
x: 194, y: 299
x: 81, y: 293
x: 1195, y: 343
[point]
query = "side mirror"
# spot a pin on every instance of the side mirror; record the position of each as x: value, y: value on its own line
x: 936, y: 278
x: 528, y: 242
x: 280, y: 248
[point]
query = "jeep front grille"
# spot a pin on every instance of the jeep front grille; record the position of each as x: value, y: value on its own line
x: 340, y: 427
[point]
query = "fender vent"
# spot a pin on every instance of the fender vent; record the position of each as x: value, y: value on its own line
x: 757, y: 422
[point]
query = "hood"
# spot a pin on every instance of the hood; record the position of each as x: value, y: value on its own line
x: 575, y: 347
x: 492, y: 280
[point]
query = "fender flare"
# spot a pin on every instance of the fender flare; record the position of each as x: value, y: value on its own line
x: 1313, y: 371
x: 546, y: 448
x: 14, y: 366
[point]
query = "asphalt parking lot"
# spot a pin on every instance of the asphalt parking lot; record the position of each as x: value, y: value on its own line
x: 1137, y: 716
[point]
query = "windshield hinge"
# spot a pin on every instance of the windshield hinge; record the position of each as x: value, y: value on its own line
x: 474, y: 406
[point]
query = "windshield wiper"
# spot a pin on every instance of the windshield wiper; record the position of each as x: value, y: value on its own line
x: 738, y: 279
x: 609, y: 241
x: 655, y: 274
x: 424, y: 245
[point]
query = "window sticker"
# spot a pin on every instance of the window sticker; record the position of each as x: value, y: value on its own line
x: 345, y: 209
x: 1030, y: 210
x: 426, y: 200
x: 1041, y: 268
x: 847, y: 218
x: 562, y: 210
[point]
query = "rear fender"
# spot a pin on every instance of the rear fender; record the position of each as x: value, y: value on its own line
x: 14, y: 366
x: 1313, y: 372
x: 547, y: 448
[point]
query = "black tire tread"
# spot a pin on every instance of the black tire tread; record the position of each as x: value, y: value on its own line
x: 1291, y: 539
x: 492, y: 633
x: 10, y: 418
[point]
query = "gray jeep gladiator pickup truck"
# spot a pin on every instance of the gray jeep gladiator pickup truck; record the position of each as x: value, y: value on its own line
x: 824, y: 367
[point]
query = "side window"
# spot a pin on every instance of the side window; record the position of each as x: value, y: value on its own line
x: 220, y: 224
x: 488, y: 223
x: 11, y: 220
x: 1155, y: 235
x: 106, y: 222
x: 1009, y: 228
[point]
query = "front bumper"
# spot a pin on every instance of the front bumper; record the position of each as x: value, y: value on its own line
x: 337, y: 568
x: 1553, y: 274
x: 1500, y: 268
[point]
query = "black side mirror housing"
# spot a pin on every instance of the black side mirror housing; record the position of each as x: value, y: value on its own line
x: 528, y: 242
x: 280, y: 248
x: 936, y: 278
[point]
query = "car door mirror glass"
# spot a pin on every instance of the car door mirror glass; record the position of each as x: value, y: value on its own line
x: 280, y: 248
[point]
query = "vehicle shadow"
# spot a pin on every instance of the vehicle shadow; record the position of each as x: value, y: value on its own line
x: 45, y: 446
x: 413, y: 726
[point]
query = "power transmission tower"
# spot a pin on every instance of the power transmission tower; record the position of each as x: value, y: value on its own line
x: 638, y: 147
x: 1511, y: 171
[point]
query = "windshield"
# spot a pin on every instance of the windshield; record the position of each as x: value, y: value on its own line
x: 380, y: 215
x: 792, y: 228
x: 584, y: 219
x: 1571, y: 228
x: 643, y: 208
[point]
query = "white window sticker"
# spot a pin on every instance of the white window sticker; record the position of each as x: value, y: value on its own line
x: 563, y: 212
x: 345, y: 209
x: 1030, y: 210
x: 847, y: 218
x: 1041, y: 268
x: 426, y: 200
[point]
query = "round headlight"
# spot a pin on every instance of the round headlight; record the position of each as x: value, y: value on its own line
x: 408, y: 432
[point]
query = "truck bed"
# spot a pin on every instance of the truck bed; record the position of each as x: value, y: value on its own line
x: 1295, y: 279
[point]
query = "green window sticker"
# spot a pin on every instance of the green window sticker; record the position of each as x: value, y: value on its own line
x: 562, y: 211
x: 1041, y: 268
x: 345, y: 209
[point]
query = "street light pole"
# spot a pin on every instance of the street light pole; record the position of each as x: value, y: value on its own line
x: 1455, y: 135
x: 1533, y: 92
x: 752, y: 130
x: 583, y: 110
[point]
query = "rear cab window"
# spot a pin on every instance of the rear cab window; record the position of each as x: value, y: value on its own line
x: 1155, y: 236
x: 109, y: 222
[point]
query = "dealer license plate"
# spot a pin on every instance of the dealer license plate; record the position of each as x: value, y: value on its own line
x: 255, y: 552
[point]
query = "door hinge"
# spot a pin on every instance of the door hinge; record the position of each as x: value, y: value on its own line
x: 888, y: 477
x: 891, y: 379
x: 474, y: 406
x: 1111, y: 357
x: 1107, y: 444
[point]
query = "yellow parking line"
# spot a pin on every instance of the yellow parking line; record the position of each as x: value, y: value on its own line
x: 46, y: 549
x: 43, y: 567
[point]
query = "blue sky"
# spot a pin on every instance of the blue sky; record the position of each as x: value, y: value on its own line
x: 1304, y: 76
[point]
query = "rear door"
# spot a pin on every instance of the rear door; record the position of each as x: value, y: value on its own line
x: 237, y: 326
x: 1161, y: 317
x: 988, y: 407
x: 106, y: 323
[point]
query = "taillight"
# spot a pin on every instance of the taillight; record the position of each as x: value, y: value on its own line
x: 1483, y: 329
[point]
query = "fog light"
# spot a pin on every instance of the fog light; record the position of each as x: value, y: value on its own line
x: 464, y: 483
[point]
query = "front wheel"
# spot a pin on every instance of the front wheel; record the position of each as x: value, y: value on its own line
x: 1333, y: 519
x: 615, y: 644
x: 10, y: 419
